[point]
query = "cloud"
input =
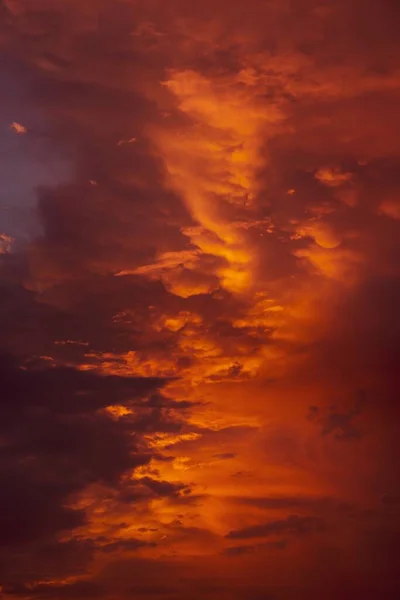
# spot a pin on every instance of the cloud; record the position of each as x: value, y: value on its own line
x: 125, y: 545
x: 199, y: 242
x: 224, y: 456
x: 293, y: 525
x: 46, y: 561
x: 57, y: 441
x: 79, y: 589
x: 249, y: 549
x: 67, y: 390
x: 339, y: 423
x: 286, y: 502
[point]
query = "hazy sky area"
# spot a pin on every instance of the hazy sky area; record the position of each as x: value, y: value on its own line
x: 199, y: 299
x: 27, y: 162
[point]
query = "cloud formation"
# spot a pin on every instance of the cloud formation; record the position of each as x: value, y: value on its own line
x: 199, y: 274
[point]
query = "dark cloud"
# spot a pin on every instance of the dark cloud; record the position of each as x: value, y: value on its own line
x: 239, y: 550
x: 224, y: 456
x: 126, y: 545
x: 338, y: 423
x: 45, y: 561
x: 287, y: 502
x: 126, y: 577
x: 45, y: 515
x: 66, y: 390
x: 55, y: 443
x: 293, y: 525
x: 250, y: 549
x: 164, y: 488
x: 78, y: 590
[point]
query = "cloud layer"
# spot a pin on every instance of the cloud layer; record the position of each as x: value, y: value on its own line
x: 199, y: 225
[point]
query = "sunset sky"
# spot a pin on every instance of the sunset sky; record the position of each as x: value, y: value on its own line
x: 200, y: 296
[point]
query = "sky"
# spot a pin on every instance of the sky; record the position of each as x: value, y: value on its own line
x: 199, y: 299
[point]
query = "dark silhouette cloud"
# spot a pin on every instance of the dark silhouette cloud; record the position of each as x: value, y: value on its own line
x: 293, y: 525
x: 56, y: 441
x: 338, y: 423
